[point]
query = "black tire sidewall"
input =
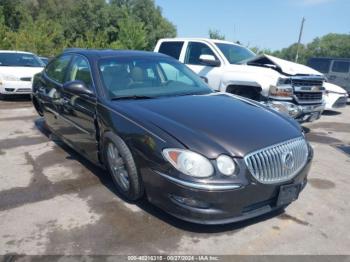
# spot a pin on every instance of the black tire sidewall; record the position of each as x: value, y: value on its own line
x: 135, y: 191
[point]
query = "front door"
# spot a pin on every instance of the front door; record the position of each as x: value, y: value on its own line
x: 211, y: 74
x: 79, y: 111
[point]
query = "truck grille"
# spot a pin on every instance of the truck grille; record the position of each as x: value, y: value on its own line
x: 278, y: 163
x: 308, y: 89
x: 307, y: 82
x: 309, y: 96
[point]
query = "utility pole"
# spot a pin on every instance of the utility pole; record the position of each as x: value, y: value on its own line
x: 300, y: 35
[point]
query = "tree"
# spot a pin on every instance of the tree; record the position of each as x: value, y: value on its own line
x: 330, y: 45
x: 48, y: 26
x: 215, y: 34
x: 131, y: 35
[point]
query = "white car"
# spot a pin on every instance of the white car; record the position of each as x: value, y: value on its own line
x: 232, y: 68
x: 335, y: 96
x: 17, y: 69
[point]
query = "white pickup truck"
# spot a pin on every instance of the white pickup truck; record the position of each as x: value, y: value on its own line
x: 285, y: 86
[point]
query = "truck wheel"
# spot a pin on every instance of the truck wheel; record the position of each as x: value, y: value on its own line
x: 122, y: 168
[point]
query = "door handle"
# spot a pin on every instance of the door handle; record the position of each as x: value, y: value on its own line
x: 332, y: 77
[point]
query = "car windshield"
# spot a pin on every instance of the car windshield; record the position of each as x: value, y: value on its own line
x: 20, y: 59
x: 149, y: 77
x: 235, y: 54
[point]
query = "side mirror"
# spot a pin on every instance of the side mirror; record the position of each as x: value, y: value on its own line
x: 209, y: 60
x: 78, y: 87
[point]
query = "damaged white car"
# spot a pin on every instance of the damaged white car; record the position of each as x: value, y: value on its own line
x: 228, y: 67
x: 335, y: 97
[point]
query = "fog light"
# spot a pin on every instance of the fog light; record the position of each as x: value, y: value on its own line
x: 189, y: 202
x: 226, y: 165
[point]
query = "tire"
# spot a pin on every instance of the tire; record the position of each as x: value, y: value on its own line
x: 122, y: 167
x: 37, y: 106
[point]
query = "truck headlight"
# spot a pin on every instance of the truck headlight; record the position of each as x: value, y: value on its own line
x: 282, y: 92
x: 189, y: 163
x: 226, y: 165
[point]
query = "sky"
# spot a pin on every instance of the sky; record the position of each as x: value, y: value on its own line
x: 272, y: 24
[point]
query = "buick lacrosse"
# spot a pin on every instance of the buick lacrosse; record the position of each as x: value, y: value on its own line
x: 163, y: 134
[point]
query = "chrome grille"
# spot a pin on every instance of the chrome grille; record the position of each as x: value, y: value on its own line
x: 309, y: 96
x: 307, y: 82
x: 270, y: 165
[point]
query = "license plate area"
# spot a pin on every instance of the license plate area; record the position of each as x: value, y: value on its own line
x: 288, y: 194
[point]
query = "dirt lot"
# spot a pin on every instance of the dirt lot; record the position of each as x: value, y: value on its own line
x: 54, y: 202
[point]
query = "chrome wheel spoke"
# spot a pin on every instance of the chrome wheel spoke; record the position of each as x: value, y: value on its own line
x: 118, y: 167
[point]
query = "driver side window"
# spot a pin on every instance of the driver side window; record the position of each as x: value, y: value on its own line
x: 80, y: 70
x: 195, y: 50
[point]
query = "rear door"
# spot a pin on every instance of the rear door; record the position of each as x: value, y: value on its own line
x: 49, y: 91
x: 340, y: 73
x: 79, y: 111
x: 211, y: 74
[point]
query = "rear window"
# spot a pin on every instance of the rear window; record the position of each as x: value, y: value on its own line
x: 321, y: 65
x: 172, y: 49
x: 340, y: 66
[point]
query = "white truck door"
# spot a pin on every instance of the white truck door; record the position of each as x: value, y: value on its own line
x: 211, y: 74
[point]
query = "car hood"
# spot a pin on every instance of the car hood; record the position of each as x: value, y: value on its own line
x: 19, y: 71
x: 284, y: 66
x: 213, y: 124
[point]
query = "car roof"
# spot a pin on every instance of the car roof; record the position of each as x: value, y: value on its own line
x: 199, y: 39
x: 105, y: 53
x: 15, y: 52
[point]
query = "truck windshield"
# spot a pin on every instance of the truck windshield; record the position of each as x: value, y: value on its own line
x: 235, y: 54
x: 148, y: 77
x: 20, y: 59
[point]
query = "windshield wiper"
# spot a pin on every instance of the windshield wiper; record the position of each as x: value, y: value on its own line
x: 134, y: 97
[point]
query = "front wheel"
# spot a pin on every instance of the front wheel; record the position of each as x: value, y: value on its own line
x: 122, y: 168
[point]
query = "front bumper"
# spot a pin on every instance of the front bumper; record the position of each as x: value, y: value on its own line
x: 15, y: 87
x: 208, y: 204
x: 301, y: 113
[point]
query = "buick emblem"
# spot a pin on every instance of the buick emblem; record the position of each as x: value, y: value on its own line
x: 288, y: 160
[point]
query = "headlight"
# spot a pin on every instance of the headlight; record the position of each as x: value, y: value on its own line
x: 286, y: 108
x: 226, y: 165
x: 282, y: 92
x: 9, y: 78
x: 188, y: 162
